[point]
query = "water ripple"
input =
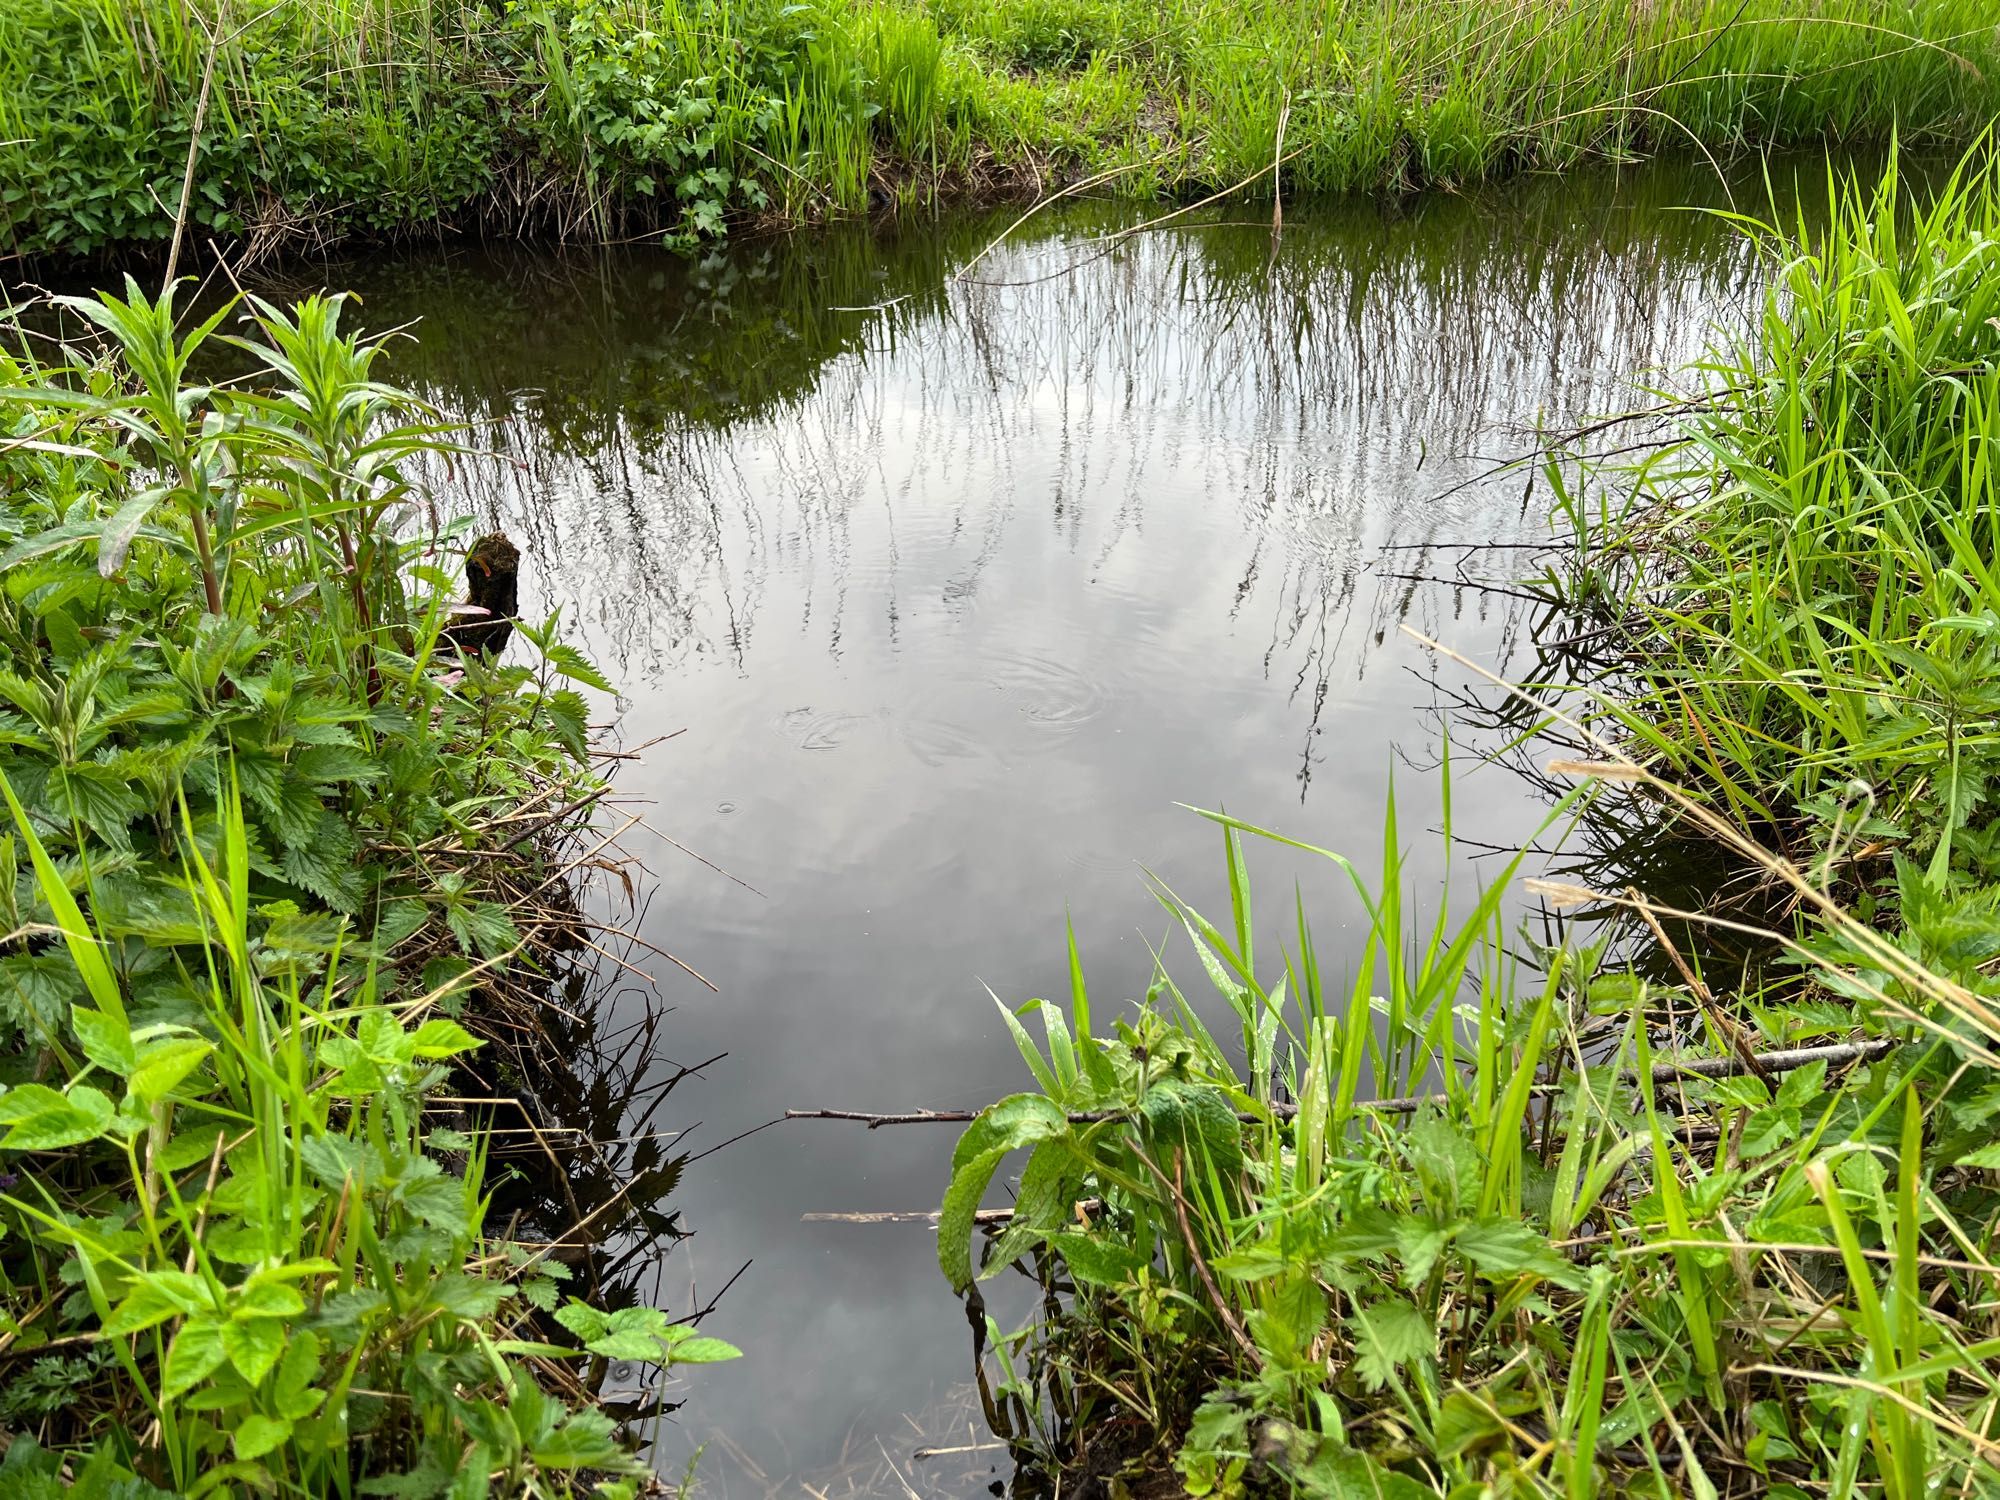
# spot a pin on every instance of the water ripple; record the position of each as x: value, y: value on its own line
x: 810, y: 728
x: 1046, y: 690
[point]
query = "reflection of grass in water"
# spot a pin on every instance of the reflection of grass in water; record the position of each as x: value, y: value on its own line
x: 1360, y: 304
x: 633, y: 388
x: 609, y: 118
x: 942, y: 1450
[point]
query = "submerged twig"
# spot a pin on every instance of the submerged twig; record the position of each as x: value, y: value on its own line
x: 1784, y: 1060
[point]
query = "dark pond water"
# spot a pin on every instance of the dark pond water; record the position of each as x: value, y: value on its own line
x: 954, y: 574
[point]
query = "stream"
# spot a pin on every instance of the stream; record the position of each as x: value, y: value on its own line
x: 953, y: 570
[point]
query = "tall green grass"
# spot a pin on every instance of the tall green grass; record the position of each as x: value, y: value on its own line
x: 1812, y: 559
x: 1459, y: 1224
x: 610, y: 119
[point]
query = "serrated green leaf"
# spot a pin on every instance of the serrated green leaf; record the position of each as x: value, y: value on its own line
x: 253, y: 1345
x: 257, y: 1434
x: 1197, y: 1118
x: 325, y: 765
x: 440, y: 1203
x: 106, y: 1040
x: 195, y: 1354
x: 156, y: 1298
x: 163, y: 1064
x: 570, y: 663
x: 1388, y: 1336
x: 40, y: 1119
x: 472, y: 1297
x: 1502, y: 1248
x: 1097, y: 1262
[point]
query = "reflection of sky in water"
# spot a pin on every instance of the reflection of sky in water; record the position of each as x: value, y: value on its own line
x: 955, y: 602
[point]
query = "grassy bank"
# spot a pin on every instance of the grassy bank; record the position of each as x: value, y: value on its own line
x: 1803, y: 582
x: 613, y: 118
x: 1607, y: 1235
x: 276, y: 851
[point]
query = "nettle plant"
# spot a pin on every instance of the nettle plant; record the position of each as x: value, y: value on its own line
x: 233, y: 1252
x: 205, y: 586
x: 654, y: 115
x: 240, y: 1218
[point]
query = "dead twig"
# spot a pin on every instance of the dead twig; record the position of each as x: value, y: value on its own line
x: 1782, y: 1061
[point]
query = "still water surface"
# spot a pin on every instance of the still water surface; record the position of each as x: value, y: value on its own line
x: 956, y: 574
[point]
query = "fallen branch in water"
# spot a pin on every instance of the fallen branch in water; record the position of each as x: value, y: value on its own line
x: 983, y: 1217
x: 1084, y: 1208
x: 1784, y: 1061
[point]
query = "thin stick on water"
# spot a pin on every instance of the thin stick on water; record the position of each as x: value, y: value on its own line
x: 1782, y: 1061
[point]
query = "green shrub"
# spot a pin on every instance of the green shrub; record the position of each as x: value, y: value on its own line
x: 238, y: 754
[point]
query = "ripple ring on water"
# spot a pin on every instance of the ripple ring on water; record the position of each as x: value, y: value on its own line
x: 1046, y: 690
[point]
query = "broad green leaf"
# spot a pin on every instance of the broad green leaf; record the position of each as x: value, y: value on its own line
x: 442, y: 1038
x: 263, y: 1297
x: 1044, y: 1200
x: 258, y: 1434
x: 570, y: 663
x: 1097, y: 1262
x: 583, y: 1320
x: 634, y: 1333
x: 1465, y: 1421
x: 115, y: 541
x: 1502, y: 1248
x: 164, y: 1063
x: 703, y: 1351
x: 1017, y: 1120
x: 253, y: 1345
x: 106, y: 1039
x: 196, y: 1354
x: 1419, y: 1243
x: 628, y: 1344
x: 440, y: 1203
x: 472, y: 1297
x: 157, y: 1297
x: 294, y: 1392
x: 586, y: 1441
x: 474, y: 1477
x: 1195, y: 1117
x: 1388, y: 1336
x: 969, y: 1180
x: 43, y: 1120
